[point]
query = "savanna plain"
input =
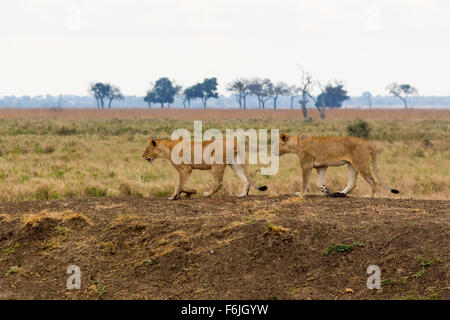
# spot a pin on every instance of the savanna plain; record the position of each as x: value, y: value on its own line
x: 74, y: 189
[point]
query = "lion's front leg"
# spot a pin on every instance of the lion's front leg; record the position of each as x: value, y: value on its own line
x: 176, y: 194
x: 322, y: 179
x: 184, y: 174
x: 307, y: 167
x: 218, y: 170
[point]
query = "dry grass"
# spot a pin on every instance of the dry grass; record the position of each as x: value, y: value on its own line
x: 93, y: 154
x: 35, y: 219
x: 220, y: 114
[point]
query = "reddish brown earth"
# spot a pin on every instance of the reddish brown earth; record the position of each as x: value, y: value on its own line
x: 219, y: 114
x: 224, y: 248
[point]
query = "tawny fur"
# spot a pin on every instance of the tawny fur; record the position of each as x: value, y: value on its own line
x: 160, y: 148
x: 320, y: 153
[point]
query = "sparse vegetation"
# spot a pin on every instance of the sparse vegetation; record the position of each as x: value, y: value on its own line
x: 341, y: 247
x: 11, y: 250
x: 10, y: 271
x: 419, y: 274
x: 387, y: 282
x: 89, y: 154
x: 338, y: 248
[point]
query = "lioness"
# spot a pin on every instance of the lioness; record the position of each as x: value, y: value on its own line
x: 159, y: 148
x: 320, y: 153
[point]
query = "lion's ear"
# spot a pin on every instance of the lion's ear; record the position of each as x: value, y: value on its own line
x: 305, y: 138
x: 283, y: 137
x: 153, y: 142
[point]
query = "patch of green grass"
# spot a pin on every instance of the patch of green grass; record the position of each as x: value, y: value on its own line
x: 95, y: 192
x: 148, y: 262
x: 410, y: 296
x: 341, y: 247
x: 62, y: 230
x: 420, y: 273
x: 102, y: 291
x: 10, y: 271
x: 387, y: 282
x: 11, y: 250
x: 428, y: 260
x: 147, y: 177
x: 162, y: 193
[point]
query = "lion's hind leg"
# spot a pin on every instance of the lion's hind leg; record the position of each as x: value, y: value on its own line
x: 351, y: 184
x: 365, y: 172
x: 239, y: 170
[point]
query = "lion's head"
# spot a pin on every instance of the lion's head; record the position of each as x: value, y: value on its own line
x: 152, y: 151
x: 287, y: 144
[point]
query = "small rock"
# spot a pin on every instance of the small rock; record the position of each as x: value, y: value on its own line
x: 348, y: 290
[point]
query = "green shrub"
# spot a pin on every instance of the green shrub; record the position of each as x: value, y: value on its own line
x: 359, y: 128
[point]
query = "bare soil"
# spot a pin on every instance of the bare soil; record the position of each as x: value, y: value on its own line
x: 225, y: 248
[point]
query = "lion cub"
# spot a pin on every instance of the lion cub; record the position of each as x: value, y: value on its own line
x: 320, y: 153
x: 159, y: 148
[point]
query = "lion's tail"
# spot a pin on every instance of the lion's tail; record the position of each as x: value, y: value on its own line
x: 374, y: 165
x: 262, y: 188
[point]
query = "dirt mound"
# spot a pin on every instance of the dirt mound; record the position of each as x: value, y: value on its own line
x: 225, y: 248
x: 39, y: 225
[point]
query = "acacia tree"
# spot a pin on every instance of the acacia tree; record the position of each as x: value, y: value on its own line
x: 100, y: 91
x: 162, y: 92
x: 105, y: 91
x: 207, y: 89
x: 114, y: 94
x: 402, y: 91
x: 306, y: 86
x: 368, y: 97
x: 262, y: 89
x: 293, y: 91
x: 318, y: 103
x: 191, y: 93
x: 240, y: 89
x: 177, y: 90
x: 280, y: 89
x: 150, y: 97
x: 267, y: 92
x: 333, y: 95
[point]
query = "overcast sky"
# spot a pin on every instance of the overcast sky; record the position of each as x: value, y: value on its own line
x: 58, y: 46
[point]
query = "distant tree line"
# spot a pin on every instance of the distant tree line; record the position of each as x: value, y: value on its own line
x: 246, y: 93
x: 224, y: 101
x: 164, y: 91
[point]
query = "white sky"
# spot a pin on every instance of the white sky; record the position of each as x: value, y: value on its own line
x: 46, y: 48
